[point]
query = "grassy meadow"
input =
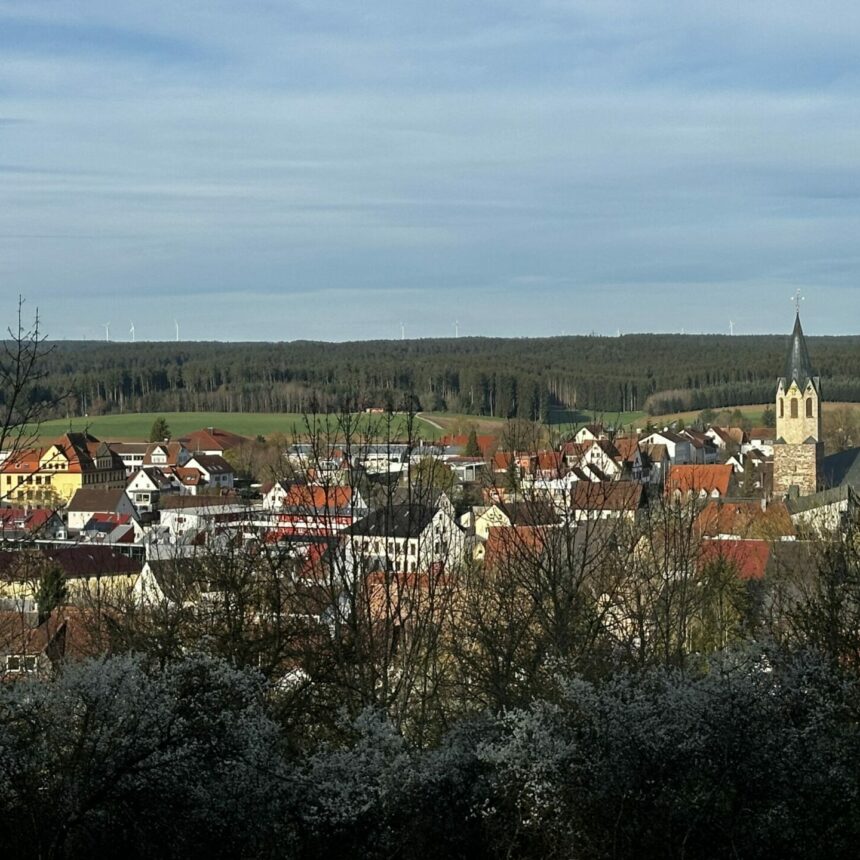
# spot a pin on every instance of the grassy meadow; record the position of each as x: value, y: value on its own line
x: 136, y: 426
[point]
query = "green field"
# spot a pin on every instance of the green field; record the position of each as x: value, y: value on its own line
x: 136, y: 426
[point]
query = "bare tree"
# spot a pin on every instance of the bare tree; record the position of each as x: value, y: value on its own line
x: 23, y: 402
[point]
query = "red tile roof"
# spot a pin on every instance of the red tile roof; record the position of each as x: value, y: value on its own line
x: 748, y: 557
x: 698, y: 478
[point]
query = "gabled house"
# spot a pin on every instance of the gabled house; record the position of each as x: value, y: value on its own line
x: 166, y: 454
x: 590, y: 433
x: 655, y: 461
x: 529, y: 514
x: 630, y: 458
x: 704, y: 451
x: 211, y: 440
x: 679, y: 447
x: 217, y: 473
x: 30, y: 523
x: 111, y: 529
x: 698, y: 482
x: 407, y: 539
x: 148, y: 485
x: 50, y: 476
x: 606, y: 500
x: 87, y: 502
x: 726, y: 438
x: 311, y: 509
x: 30, y: 647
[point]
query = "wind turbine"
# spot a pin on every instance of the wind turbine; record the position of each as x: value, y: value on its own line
x: 131, y: 332
x: 731, y: 327
x: 107, y: 331
x: 402, y: 331
x: 176, y: 323
x: 456, y: 328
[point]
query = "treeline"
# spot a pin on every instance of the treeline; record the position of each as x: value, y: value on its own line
x: 505, y: 378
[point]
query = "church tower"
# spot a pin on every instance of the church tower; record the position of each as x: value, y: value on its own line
x: 798, y: 450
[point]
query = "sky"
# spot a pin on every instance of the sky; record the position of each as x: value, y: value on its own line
x: 333, y: 170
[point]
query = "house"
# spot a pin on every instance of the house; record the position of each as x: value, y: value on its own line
x: 606, y: 500
x: 87, y: 502
x: 311, y: 509
x: 655, y: 461
x: 111, y: 529
x: 631, y: 459
x: 214, y: 469
x: 534, y: 513
x: 30, y: 647
x: 137, y: 455
x: 726, y: 438
x: 166, y: 454
x: 762, y: 438
x: 679, y: 447
x: 50, y: 476
x: 408, y: 538
x: 704, y: 451
x: 182, y: 515
x: 695, y: 481
x: 743, y: 518
x: 467, y: 470
x: 92, y: 574
x: 589, y: 433
x: 148, y: 485
x: 131, y: 454
x: 30, y: 523
x: 211, y: 440
x: 507, y: 546
x: 748, y: 558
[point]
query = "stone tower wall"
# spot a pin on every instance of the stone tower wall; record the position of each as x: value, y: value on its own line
x: 797, y: 430
x: 796, y: 465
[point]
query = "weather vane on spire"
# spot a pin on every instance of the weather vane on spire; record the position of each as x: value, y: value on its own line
x: 797, y: 298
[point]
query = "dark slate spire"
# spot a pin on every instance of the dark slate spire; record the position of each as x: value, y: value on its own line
x: 798, y: 367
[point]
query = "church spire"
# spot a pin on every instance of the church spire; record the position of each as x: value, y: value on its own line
x: 798, y: 367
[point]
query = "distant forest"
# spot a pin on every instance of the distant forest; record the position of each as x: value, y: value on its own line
x: 522, y: 377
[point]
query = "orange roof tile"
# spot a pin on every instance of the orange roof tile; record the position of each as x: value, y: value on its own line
x: 698, y: 478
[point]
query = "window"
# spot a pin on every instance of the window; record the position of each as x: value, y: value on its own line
x: 809, y: 407
x: 781, y: 408
x: 794, y: 407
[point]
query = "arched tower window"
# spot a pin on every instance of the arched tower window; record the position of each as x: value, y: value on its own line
x: 794, y: 407
x: 809, y: 407
x: 781, y: 408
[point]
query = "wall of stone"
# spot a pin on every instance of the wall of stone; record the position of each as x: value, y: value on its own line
x: 796, y: 465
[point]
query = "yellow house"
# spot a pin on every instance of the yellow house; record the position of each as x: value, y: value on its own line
x: 49, y: 477
x: 92, y: 575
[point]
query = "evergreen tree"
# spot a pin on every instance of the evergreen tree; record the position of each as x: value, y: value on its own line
x: 160, y: 430
x: 52, y: 592
x: 472, y: 448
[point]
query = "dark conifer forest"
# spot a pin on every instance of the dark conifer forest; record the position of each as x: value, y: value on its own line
x: 499, y: 377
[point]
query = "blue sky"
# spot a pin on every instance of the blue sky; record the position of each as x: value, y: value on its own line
x: 325, y: 170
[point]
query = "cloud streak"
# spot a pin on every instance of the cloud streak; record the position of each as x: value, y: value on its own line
x: 527, y: 169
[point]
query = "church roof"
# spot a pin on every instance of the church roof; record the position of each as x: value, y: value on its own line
x: 798, y: 367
